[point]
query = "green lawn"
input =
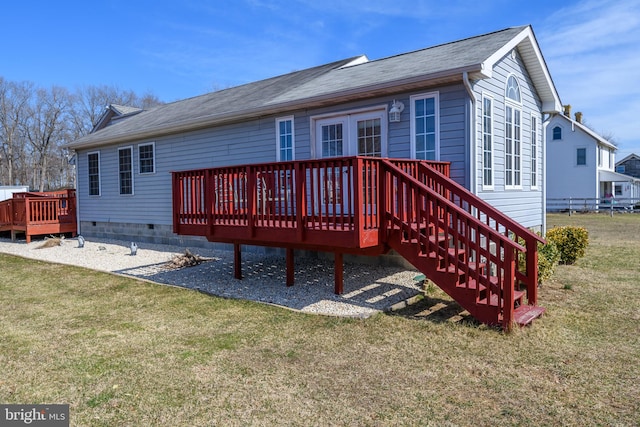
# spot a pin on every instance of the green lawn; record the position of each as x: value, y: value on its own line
x: 126, y: 352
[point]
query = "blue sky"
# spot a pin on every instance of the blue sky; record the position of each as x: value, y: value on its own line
x: 179, y: 49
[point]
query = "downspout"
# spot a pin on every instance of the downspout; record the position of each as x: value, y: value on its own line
x: 471, y: 135
x: 75, y: 172
x: 544, y: 174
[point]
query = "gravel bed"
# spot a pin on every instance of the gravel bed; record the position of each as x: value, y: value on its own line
x: 368, y: 289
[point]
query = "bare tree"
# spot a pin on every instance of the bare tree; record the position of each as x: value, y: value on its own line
x: 35, y: 123
x: 47, y: 127
x: 14, y: 103
x: 90, y: 103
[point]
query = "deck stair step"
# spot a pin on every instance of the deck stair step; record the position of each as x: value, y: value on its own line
x: 493, y: 301
x: 525, y: 314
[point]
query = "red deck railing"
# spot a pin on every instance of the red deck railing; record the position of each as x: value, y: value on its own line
x: 39, y: 213
x: 311, y: 202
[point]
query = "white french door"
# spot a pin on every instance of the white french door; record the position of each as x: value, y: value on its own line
x: 362, y: 134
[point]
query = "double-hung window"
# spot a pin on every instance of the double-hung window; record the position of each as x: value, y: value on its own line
x: 513, y: 147
x: 581, y: 156
x: 425, y: 128
x: 513, y: 135
x: 487, y: 142
x: 146, y: 158
x: 285, y: 144
x: 125, y: 170
x: 93, y: 160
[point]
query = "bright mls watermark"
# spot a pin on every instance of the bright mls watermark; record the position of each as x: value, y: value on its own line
x: 34, y: 415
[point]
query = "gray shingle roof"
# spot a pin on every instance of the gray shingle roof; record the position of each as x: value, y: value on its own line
x: 315, y: 86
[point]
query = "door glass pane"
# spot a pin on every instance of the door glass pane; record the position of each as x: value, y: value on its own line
x: 425, y: 128
x: 332, y: 140
x: 369, y: 138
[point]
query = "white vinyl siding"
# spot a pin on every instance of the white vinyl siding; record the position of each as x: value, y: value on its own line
x: 487, y: 143
x: 285, y: 141
x: 146, y: 158
x: 93, y: 168
x: 125, y: 170
x: 425, y: 126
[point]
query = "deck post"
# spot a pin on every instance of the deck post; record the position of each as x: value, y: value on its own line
x: 338, y: 271
x: 237, y: 261
x: 532, y: 271
x: 290, y: 267
x: 301, y: 199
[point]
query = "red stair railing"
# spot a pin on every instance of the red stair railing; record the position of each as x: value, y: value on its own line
x: 489, y: 215
x: 465, y: 245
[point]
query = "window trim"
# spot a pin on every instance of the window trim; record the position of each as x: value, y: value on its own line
x: 513, y: 185
x: 278, y: 136
x: 89, y: 176
x: 128, y: 147
x: 534, y: 174
x: 153, y: 148
x: 585, y: 156
x: 490, y: 186
x: 412, y: 99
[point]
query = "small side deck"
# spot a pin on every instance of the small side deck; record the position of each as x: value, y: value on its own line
x: 36, y: 214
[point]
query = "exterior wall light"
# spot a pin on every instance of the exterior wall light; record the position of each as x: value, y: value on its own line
x: 394, y: 113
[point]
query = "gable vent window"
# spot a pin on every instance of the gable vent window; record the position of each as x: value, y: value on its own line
x: 513, y: 89
x: 557, y: 133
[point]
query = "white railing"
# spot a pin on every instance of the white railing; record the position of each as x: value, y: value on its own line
x: 604, y: 204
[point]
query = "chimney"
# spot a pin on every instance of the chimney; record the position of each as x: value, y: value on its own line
x: 578, y: 117
x: 567, y: 110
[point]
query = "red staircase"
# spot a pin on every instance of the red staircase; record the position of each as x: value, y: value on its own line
x: 480, y: 257
x: 462, y: 244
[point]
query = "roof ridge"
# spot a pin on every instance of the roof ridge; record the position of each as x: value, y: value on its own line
x: 522, y: 27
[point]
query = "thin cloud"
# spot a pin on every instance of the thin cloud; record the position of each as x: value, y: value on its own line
x: 592, y: 52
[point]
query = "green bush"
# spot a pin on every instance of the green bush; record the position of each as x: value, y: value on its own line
x: 548, y: 258
x: 570, y: 241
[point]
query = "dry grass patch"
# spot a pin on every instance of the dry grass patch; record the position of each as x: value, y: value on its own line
x: 125, y: 352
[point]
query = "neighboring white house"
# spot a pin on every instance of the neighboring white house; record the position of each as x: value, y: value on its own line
x: 581, y: 167
x: 6, y: 191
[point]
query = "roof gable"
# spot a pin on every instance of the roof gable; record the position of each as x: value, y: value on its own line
x: 112, y: 113
x: 591, y: 133
x: 631, y: 156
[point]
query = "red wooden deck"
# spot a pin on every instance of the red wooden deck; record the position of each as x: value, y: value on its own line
x: 35, y: 214
x: 365, y: 205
